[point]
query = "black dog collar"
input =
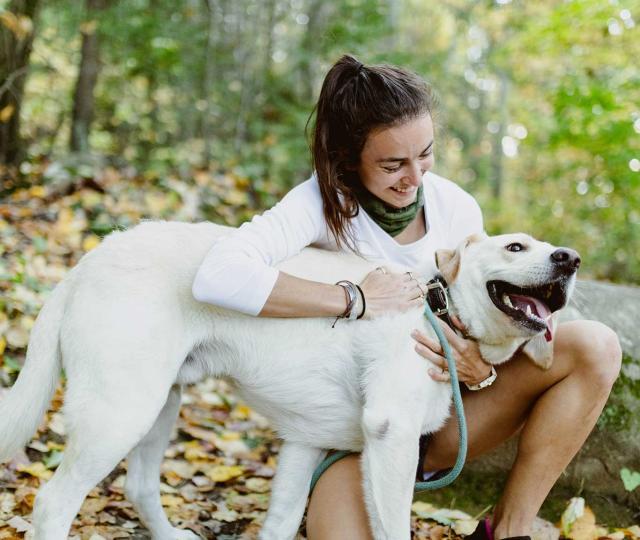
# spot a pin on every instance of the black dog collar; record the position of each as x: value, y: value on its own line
x: 438, y: 299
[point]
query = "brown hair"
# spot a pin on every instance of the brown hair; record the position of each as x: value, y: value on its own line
x: 354, y: 100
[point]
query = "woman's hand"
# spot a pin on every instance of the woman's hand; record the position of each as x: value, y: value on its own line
x: 385, y: 292
x: 472, y: 369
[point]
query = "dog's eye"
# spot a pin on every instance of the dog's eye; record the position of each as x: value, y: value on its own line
x: 516, y: 246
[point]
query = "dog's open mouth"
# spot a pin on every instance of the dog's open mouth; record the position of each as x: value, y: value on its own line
x: 530, y: 306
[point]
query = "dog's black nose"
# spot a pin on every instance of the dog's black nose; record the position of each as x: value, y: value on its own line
x: 566, y: 258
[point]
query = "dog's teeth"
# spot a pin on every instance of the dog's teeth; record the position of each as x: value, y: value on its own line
x: 506, y: 300
x: 529, y: 311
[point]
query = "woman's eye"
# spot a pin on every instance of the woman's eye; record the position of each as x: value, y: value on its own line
x: 391, y: 169
x: 516, y: 246
x: 426, y: 155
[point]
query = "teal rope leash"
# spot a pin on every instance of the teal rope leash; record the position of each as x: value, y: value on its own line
x: 457, y: 401
x: 462, y: 424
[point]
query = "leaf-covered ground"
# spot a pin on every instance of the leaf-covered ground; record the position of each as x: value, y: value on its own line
x: 217, y: 471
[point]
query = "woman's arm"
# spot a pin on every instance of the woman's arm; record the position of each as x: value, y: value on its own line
x: 238, y: 272
x: 296, y: 297
x: 383, y: 292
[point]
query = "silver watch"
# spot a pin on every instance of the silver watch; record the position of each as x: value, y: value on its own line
x: 483, y: 384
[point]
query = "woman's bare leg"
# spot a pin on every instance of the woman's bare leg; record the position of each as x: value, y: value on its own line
x: 556, y: 410
x: 336, y: 508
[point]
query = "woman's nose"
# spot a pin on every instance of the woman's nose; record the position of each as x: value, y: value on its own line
x: 415, y: 173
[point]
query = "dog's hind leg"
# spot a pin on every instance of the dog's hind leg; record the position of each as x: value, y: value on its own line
x: 290, y: 489
x: 99, y: 437
x: 143, y: 475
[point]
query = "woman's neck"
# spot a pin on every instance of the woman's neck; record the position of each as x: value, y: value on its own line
x: 394, y: 221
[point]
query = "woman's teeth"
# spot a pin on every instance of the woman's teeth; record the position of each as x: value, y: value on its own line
x: 408, y: 189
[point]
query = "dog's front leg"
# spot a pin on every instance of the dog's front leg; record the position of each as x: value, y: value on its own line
x: 289, y: 491
x: 389, y: 462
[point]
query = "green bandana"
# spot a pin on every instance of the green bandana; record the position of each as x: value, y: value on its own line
x: 390, y: 219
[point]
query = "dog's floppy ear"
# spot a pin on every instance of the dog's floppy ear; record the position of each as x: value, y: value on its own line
x: 448, y: 263
x: 448, y: 260
x: 539, y: 350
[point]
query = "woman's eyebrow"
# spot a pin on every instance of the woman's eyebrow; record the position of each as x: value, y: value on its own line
x: 393, y: 159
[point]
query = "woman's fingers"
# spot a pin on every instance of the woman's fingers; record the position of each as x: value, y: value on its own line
x: 428, y: 353
x: 454, y: 339
x: 438, y: 375
x: 422, y: 338
x: 458, y: 324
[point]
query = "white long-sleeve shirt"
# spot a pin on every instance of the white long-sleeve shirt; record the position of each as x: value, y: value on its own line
x: 238, y: 272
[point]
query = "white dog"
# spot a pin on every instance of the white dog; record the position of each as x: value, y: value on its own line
x: 125, y: 327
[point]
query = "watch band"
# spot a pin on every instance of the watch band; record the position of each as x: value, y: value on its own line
x: 483, y: 384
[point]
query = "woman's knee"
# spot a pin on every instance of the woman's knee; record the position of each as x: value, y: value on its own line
x: 594, y: 350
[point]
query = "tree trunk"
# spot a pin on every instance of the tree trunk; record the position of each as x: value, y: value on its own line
x: 83, y: 99
x: 16, y: 34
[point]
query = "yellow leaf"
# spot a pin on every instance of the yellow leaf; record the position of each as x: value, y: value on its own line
x: 230, y: 435
x: 236, y: 197
x: 193, y: 451
x: 171, y: 500
x: 20, y: 25
x: 90, y: 242
x: 464, y: 527
x: 222, y: 473
x: 94, y: 505
x: 584, y: 528
x: 6, y: 113
x: 421, y: 506
x: 258, y: 485
x: 36, y: 469
x: 634, y: 530
x: 55, y: 446
x: 242, y: 411
x: 37, y: 191
x: 3, y: 345
x: 18, y: 337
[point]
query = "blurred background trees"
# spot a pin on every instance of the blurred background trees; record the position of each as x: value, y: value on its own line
x: 539, y: 115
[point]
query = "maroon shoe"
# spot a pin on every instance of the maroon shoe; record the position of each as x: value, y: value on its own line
x: 485, y: 532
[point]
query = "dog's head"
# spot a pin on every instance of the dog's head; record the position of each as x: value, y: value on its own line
x: 505, y: 289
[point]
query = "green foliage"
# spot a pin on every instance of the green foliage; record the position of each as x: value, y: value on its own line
x: 538, y: 114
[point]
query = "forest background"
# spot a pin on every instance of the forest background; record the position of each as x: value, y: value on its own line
x: 539, y: 113
x: 115, y: 111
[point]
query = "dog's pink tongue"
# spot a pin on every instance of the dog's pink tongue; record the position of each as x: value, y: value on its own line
x: 538, y: 307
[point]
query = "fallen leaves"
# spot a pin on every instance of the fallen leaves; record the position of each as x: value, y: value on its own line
x: 217, y: 472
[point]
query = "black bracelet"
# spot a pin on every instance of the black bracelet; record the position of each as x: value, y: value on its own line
x: 364, y: 303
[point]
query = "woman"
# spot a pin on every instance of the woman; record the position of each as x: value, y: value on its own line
x: 372, y: 192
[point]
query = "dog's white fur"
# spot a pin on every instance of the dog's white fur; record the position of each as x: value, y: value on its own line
x: 127, y: 331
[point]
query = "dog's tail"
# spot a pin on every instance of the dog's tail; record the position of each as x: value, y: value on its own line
x: 22, y: 409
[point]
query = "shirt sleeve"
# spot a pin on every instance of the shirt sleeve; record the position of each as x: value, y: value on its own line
x: 238, y: 271
x: 466, y: 219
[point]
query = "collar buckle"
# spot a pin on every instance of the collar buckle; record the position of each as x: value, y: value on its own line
x: 437, y: 297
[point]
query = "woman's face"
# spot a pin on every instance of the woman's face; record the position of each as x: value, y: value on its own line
x: 394, y: 159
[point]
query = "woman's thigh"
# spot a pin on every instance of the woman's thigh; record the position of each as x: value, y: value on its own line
x: 498, y: 412
x: 336, y: 508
